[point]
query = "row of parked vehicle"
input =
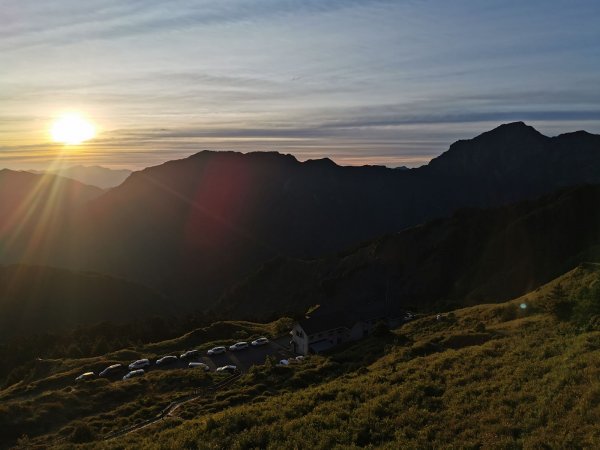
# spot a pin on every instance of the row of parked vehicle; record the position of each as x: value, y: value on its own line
x: 136, y: 368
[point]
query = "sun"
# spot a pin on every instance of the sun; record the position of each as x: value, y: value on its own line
x: 72, y: 129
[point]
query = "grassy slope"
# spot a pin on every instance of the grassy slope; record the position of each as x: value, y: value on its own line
x: 524, y: 382
x: 48, y: 405
x: 488, y: 376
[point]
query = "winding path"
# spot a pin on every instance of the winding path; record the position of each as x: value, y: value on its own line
x: 170, y: 409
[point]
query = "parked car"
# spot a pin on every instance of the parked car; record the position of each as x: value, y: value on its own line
x: 260, y: 341
x: 134, y: 373
x: 189, y: 354
x: 228, y: 368
x: 169, y: 359
x: 283, y: 362
x: 85, y: 376
x: 238, y: 346
x: 110, y: 370
x: 139, y: 364
x: 199, y: 365
x: 216, y: 351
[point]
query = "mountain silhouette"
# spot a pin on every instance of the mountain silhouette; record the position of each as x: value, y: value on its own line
x: 99, y: 176
x: 192, y: 227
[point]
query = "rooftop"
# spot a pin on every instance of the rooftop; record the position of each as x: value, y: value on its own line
x: 324, y: 318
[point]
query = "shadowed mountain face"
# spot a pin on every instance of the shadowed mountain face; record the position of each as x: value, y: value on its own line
x: 475, y: 256
x: 36, y: 299
x: 192, y: 227
x: 33, y: 208
x: 507, y: 164
x: 34, y: 192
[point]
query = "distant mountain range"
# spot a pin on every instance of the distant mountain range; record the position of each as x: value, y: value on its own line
x: 99, y: 176
x: 193, y: 227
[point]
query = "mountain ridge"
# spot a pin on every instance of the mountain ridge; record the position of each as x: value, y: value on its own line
x: 476, y: 255
x: 99, y: 176
x: 194, y: 226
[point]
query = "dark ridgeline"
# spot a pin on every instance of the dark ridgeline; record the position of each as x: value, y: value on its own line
x: 102, y: 177
x: 192, y: 227
x: 475, y: 256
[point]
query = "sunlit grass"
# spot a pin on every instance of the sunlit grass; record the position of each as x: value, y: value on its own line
x: 488, y: 376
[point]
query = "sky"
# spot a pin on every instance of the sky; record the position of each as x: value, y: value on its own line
x: 359, y: 81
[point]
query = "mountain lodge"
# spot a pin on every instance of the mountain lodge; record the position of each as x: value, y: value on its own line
x: 326, y: 328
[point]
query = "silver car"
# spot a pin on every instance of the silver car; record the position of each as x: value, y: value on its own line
x: 85, y: 376
x: 238, y: 346
x: 216, y: 351
x: 169, y: 359
x: 110, y: 370
x: 139, y: 364
x: 199, y: 365
x: 134, y: 373
x: 259, y: 341
x: 189, y: 354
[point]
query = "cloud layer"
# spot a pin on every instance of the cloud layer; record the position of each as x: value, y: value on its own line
x: 386, y: 82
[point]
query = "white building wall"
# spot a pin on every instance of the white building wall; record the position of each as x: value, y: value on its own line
x: 301, y: 339
x: 336, y: 336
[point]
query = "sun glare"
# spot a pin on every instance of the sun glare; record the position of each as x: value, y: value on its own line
x: 72, y: 129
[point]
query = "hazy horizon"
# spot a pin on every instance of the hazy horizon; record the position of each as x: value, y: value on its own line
x: 373, y: 82
x: 59, y: 164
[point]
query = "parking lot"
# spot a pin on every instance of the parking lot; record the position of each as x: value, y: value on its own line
x: 242, y: 359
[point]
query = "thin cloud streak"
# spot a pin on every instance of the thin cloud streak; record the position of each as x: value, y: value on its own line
x: 355, y: 80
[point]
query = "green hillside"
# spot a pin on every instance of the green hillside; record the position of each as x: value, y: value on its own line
x: 491, y: 376
x: 521, y: 374
x: 48, y: 405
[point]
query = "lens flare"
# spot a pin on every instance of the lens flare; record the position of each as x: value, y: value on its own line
x: 72, y: 129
